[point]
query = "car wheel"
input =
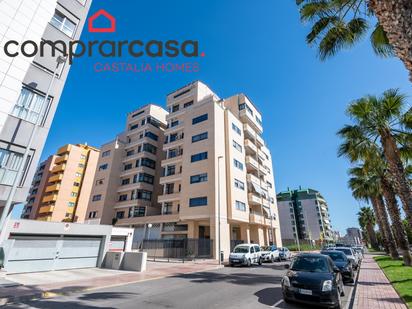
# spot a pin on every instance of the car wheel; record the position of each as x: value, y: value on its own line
x: 260, y: 261
x: 249, y: 263
x: 272, y: 259
x: 339, y: 301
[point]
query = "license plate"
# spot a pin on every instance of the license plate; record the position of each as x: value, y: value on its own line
x: 305, y: 292
x: 235, y: 260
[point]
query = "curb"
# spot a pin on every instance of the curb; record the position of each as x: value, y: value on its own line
x: 50, y: 294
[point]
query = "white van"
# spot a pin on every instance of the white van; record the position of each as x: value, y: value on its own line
x: 245, y: 254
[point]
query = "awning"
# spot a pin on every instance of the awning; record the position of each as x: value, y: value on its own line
x: 257, y: 188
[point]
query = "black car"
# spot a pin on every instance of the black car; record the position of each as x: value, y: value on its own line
x: 343, y: 263
x: 313, y: 279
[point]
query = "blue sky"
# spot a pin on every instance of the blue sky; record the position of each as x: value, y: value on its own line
x: 255, y: 47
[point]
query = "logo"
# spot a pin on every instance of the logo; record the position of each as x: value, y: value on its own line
x: 103, y: 14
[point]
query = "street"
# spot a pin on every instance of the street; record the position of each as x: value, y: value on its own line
x: 239, y: 287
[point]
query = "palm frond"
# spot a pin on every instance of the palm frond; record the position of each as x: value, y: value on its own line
x: 380, y: 42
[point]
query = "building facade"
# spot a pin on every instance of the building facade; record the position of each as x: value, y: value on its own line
x: 25, y: 81
x: 304, y: 213
x: 62, y: 185
x: 216, y: 171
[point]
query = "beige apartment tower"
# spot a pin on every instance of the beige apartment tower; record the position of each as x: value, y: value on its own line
x: 214, y: 166
x: 62, y: 185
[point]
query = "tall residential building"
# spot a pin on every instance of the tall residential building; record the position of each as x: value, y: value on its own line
x: 24, y: 81
x: 62, y: 185
x: 304, y: 213
x: 216, y: 168
x: 353, y: 235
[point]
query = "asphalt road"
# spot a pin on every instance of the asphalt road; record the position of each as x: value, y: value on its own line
x: 238, y: 287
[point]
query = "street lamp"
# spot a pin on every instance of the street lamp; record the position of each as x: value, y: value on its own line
x: 149, y: 226
x: 60, y: 60
x: 218, y: 208
x: 270, y: 214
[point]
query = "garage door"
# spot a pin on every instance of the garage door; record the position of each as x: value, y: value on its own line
x: 44, y: 253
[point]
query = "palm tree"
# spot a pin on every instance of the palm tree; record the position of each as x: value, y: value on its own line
x: 367, y: 222
x: 366, y: 187
x: 340, y: 24
x: 381, y: 122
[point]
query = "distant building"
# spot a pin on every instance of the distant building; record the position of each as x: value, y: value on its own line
x: 62, y: 185
x: 353, y: 235
x: 304, y: 213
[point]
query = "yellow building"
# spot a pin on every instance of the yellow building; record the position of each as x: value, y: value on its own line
x: 62, y: 185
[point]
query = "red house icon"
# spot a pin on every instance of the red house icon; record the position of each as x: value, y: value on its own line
x: 96, y: 15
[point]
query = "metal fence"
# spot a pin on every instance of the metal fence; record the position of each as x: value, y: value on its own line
x: 182, y: 249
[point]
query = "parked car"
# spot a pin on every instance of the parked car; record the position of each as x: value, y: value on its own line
x: 284, y: 253
x: 343, y: 263
x: 245, y: 254
x: 359, y: 252
x: 270, y: 254
x: 351, y: 255
x: 313, y: 279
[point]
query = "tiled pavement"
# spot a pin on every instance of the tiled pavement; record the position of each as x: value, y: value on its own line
x: 39, y: 285
x: 374, y: 290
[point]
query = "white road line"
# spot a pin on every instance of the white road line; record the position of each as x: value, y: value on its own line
x: 278, y: 303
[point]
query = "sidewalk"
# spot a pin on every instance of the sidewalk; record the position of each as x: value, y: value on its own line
x: 49, y: 284
x: 374, y: 290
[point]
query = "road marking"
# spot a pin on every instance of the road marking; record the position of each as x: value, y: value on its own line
x: 278, y: 303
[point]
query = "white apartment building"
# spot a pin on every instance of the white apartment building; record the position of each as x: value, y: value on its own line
x: 216, y: 168
x: 25, y: 81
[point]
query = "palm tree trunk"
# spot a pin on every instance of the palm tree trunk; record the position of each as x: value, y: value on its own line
x: 372, y: 236
x: 387, y: 237
x: 398, y: 176
x: 395, y: 215
x: 395, y: 16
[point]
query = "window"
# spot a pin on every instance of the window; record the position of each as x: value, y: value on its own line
x: 199, y: 119
x: 92, y: 214
x: 143, y: 177
x: 199, y: 137
x: 129, y: 153
x: 96, y: 198
x: 238, y: 164
x: 236, y: 129
x: 258, y: 120
x: 144, y: 195
x: 148, y: 163
x: 181, y: 93
x: 128, y: 166
x: 239, y: 184
x: 105, y: 153
x: 81, y: 165
x: 170, y: 170
x: 76, y: 184
x: 199, y: 157
x: 175, y: 108
x: 240, y: 206
x: 198, y: 178
x: 74, y: 194
x: 174, y: 123
x: 237, y: 146
x: 151, y: 135
x: 133, y: 127
x: 103, y: 167
x: 122, y: 197
x: 188, y: 104
x: 137, y: 114
x: 139, y: 211
x: 120, y: 214
x: 64, y: 24
x: 29, y: 106
x: 198, y: 201
x: 78, y: 174
x: 125, y: 181
x: 71, y: 204
x: 149, y: 148
x: 243, y: 106
x: 10, y: 162
x: 167, y: 208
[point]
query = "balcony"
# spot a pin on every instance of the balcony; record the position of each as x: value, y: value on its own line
x: 58, y: 168
x: 256, y: 218
x: 251, y: 164
x: 250, y: 147
x: 64, y: 149
x: 53, y: 188
x: 61, y: 159
x: 178, y: 141
x: 253, y: 178
x: 254, y: 199
x: 248, y: 118
x: 55, y: 178
x: 173, y: 160
x: 169, y: 197
x: 49, y: 198
x: 170, y: 178
x: 263, y: 170
x: 46, y: 209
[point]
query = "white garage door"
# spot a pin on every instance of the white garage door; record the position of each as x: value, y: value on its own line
x: 43, y: 253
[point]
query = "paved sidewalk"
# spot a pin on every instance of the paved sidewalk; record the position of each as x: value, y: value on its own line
x: 374, y: 290
x: 49, y: 284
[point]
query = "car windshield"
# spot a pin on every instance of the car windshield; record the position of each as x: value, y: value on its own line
x: 346, y: 251
x: 336, y: 256
x: 266, y: 248
x: 241, y: 249
x: 310, y: 264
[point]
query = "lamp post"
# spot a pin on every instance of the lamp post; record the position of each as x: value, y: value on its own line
x: 271, y: 217
x: 218, y: 208
x: 149, y: 226
x: 38, y: 123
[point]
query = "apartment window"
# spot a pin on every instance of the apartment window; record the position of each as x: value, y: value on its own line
x: 122, y: 197
x: 198, y: 178
x: 81, y: 165
x: 236, y: 129
x: 105, y: 153
x: 137, y: 114
x: 199, y: 137
x: 174, y: 123
x: 128, y: 166
x: 29, y: 106
x: 169, y: 188
x: 175, y: 152
x: 74, y: 194
x: 125, y: 181
x: 181, y: 93
x: 148, y: 163
x: 198, y: 201
x: 239, y: 184
x: 237, y: 146
x: 171, y: 170
x: 129, y: 153
x: 149, y: 148
x: 269, y: 184
x: 133, y: 127
x: 92, y: 214
x: 173, y: 137
x: 80, y: 174
x: 151, y: 135
x: 147, y: 178
x: 199, y: 157
x: 188, y: 104
x: 245, y: 106
x: 144, y: 195
x: 143, y: 122
x: 76, y: 184
x: 175, y: 108
x: 240, y: 206
x: 71, y: 204
x: 258, y: 120
x: 139, y: 211
x: 120, y: 214
x: 103, y: 167
x: 199, y: 119
x: 96, y: 198
x: 238, y: 164
x: 99, y: 182
x: 10, y: 162
x: 64, y: 24
x: 167, y: 208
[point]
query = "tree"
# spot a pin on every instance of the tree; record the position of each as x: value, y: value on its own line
x: 367, y: 222
x: 340, y: 24
x: 382, y: 122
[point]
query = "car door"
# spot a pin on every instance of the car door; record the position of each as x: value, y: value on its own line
x: 252, y: 254
x: 257, y: 254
